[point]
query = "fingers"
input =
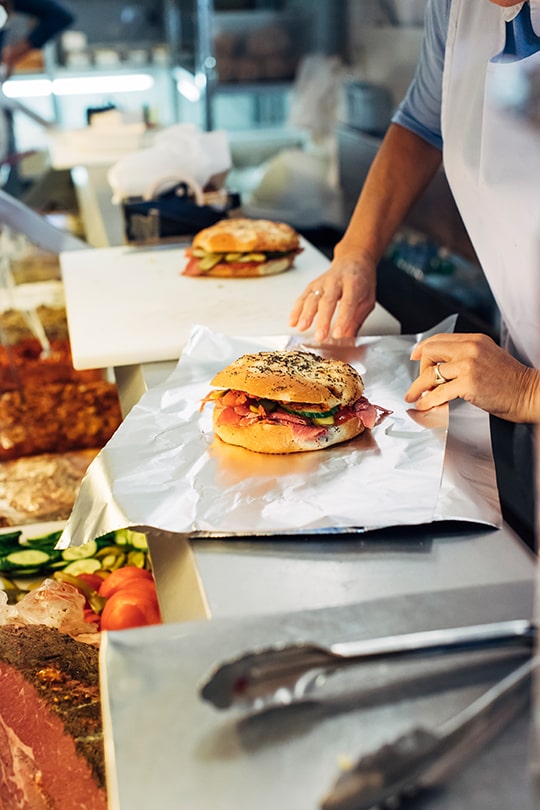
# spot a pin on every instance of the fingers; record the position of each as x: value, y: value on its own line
x: 349, y: 298
x: 350, y: 317
x: 318, y: 304
x: 445, y: 366
x: 308, y: 304
x: 435, y: 384
x: 474, y: 368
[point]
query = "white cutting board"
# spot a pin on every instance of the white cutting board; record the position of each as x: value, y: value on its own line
x: 129, y: 305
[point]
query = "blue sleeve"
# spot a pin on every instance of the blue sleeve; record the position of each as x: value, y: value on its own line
x: 420, y: 110
x: 51, y: 18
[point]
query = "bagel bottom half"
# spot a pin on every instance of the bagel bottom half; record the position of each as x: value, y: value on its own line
x: 271, y: 267
x: 264, y: 437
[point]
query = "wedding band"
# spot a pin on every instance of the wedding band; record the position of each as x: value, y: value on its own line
x: 316, y: 292
x: 439, y: 376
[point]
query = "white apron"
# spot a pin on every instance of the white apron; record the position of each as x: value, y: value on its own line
x: 492, y: 161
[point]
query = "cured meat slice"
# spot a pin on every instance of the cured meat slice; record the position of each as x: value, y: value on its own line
x: 51, y: 737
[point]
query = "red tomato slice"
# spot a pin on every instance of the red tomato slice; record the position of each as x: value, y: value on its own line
x: 122, y: 576
x: 140, y: 590
x: 130, y: 608
x: 91, y: 617
x: 94, y: 580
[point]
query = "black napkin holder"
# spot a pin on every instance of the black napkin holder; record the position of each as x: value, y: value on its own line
x: 174, y: 213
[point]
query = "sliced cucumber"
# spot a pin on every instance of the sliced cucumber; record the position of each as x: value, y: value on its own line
x: 120, y: 537
x: 28, y: 558
x: 89, y: 549
x: 9, y: 542
x: 107, y: 539
x: 9, y: 536
x: 310, y: 414
x: 45, y: 540
x: 138, y: 540
x: 128, y: 537
x: 88, y: 565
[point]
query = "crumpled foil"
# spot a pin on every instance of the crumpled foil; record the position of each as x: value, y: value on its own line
x: 164, y: 469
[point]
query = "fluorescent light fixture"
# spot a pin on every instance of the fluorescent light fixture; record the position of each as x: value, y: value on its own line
x: 72, y: 86
x: 87, y: 85
x: 27, y: 88
x: 187, y: 85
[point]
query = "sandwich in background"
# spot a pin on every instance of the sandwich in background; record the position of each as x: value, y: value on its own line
x: 242, y: 248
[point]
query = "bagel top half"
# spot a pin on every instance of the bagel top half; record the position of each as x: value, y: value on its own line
x: 247, y: 236
x: 293, y: 376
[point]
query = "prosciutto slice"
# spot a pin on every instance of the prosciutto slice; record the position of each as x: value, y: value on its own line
x: 236, y: 408
x: 51, y: 738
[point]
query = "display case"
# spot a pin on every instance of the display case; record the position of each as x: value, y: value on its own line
x: 238, y: 60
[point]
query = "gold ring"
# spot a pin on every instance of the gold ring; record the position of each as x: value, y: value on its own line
x: 439, y: 376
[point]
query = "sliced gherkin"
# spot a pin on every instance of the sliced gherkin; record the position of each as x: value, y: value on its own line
x: 209, y: 261
x: 323, y: 420
x: 252, y: 257
x: 233, y: 257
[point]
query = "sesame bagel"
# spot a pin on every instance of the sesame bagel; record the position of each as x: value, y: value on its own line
x: 293, y: 376
x: 289, y: 401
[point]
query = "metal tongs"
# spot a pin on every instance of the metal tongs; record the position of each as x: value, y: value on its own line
x: 423, y: 758
x: 284, y: 674
x: 417, y: 760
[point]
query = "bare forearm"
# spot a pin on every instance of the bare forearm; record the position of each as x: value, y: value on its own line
x: 401, y: 170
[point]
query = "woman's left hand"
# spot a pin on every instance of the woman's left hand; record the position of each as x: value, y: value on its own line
x: 473, y: 367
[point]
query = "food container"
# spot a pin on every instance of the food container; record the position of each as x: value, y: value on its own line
x: 369, y: 106
x: 46, y: 405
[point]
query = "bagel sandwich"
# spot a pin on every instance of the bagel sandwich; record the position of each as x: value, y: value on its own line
x: 289, y: 402
x: 241, y: 248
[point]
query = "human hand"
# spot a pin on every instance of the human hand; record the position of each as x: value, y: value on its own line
x: 348, y: 286
x: 473, y: 367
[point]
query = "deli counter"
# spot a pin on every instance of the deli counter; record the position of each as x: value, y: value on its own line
x: 225, y: 594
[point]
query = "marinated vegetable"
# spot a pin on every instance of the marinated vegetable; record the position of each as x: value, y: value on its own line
x: 113, y: 573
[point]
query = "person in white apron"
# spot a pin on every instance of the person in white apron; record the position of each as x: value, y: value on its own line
x: 491, y: 157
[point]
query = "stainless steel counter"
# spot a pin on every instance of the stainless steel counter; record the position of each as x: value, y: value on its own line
x: 171, y: 749
x: 261, y: 577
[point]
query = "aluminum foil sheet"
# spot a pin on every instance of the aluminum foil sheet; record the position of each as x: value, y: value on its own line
x: 164, y: 468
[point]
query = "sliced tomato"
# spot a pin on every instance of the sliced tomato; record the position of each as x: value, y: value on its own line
x: 234, y: 398
x: 129, y: 608
x: 94, y: 580
x: 91, y: 617
x: 192, y: 267
x: 123, y: 576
